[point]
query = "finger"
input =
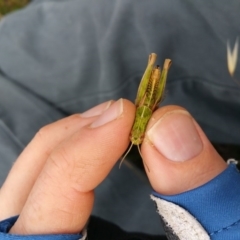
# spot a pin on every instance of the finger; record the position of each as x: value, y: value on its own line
x: 178, y: 153
x: 26, y: 169
x: 62, y: 197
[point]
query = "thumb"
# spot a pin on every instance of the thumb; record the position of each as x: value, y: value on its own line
x: 178, y: 153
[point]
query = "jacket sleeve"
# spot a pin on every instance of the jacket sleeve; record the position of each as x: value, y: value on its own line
x: 211, y: 211
x: 6, y: 225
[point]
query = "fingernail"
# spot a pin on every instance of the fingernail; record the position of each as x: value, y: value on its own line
x: 97, y: 110
x: 175, y: 136
x: 112, y: 113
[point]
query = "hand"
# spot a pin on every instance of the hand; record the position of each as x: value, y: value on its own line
x: 66, y: 160
x: 51, y: 184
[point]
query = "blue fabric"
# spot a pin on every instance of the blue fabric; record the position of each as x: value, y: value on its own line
x: 216, y: 204
x: 6, y: 225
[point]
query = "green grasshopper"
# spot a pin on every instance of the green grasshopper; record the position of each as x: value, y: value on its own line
x: 149, y: 95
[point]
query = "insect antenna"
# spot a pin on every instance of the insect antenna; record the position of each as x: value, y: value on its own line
x: 142, y: 158
x: 123, y: 158
x: 139, y: 150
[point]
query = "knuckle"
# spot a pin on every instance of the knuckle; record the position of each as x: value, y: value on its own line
x: 76, y: 117
x: 41, y: 140
x: 43, y: 133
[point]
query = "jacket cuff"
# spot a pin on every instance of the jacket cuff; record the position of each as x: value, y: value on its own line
x: 7, y: 224
x: 211, y: 210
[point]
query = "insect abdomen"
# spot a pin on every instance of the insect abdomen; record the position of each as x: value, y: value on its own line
x: 143, y: 115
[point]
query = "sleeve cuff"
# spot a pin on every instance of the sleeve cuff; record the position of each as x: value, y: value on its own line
x: 215, y: 205
x: 6, y: 225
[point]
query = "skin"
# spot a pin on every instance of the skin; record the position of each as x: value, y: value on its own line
x: 54, y: 177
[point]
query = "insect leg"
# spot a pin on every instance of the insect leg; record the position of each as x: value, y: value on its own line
x: 145, y: 78
x: 162, y: 82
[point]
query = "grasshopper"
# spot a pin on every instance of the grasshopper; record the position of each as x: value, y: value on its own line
x: 150, y: 94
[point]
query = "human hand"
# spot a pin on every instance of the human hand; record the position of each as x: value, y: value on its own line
x: 59, y: 169
x: 51, y: 184
x: 182, y: 163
